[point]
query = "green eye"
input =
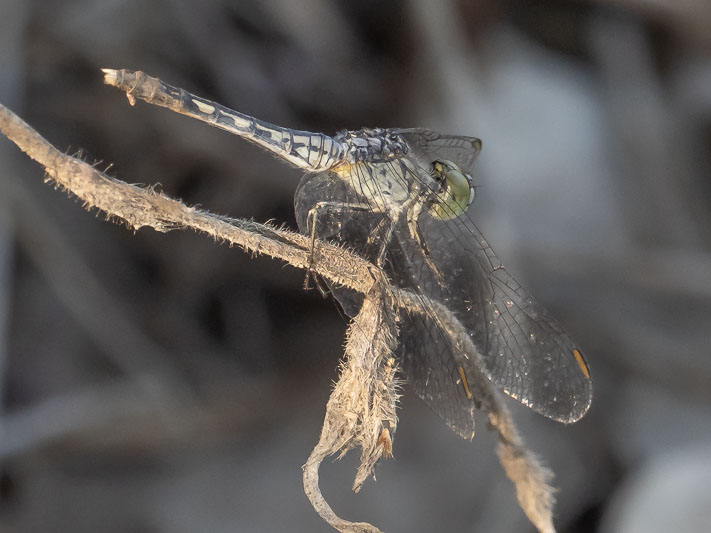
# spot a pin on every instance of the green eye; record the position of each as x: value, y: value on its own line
x: 456, y: 191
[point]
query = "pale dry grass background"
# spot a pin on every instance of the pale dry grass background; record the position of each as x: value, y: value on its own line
x: 595, y: 120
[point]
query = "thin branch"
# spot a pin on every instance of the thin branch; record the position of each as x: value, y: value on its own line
x: 361, y: 409
x: 78, y: 412
x: 532, y: 480
x: 119, y: 414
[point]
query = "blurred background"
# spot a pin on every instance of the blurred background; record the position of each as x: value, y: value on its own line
x: 164, y: 383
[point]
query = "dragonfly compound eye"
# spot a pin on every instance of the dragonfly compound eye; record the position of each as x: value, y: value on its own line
x: 456, y: 190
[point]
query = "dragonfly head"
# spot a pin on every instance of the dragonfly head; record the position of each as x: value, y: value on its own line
x: 456, y: 190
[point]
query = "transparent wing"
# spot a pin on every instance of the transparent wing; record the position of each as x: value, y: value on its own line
x: 524, y: 351
x: 329, y: 203
x: 527, y: 353
x: 430, y: 145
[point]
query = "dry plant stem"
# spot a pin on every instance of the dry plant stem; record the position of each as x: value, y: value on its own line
x: 361, y: 409
x: 140, y: 207
x: 532, y: 479
x: 367, y: 421
x: 79, y: 413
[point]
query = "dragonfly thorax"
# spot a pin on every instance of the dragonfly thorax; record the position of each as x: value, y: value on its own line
x: 372, y: 145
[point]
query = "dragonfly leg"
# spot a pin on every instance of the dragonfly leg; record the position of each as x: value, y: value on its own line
x: 416, y: 234
x: 311, y: 220
x: 376, y: 234
x: 386, y: 241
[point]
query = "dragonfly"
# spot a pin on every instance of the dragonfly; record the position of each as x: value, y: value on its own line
x: 401, y: 198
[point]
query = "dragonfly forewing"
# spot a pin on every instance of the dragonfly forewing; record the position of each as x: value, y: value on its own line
x: 526, y: 351
x: 431, y: 145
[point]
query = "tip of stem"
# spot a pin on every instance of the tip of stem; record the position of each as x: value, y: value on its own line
x: 110, y: 75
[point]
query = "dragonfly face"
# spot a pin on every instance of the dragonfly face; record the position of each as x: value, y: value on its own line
x: 456, y: 192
